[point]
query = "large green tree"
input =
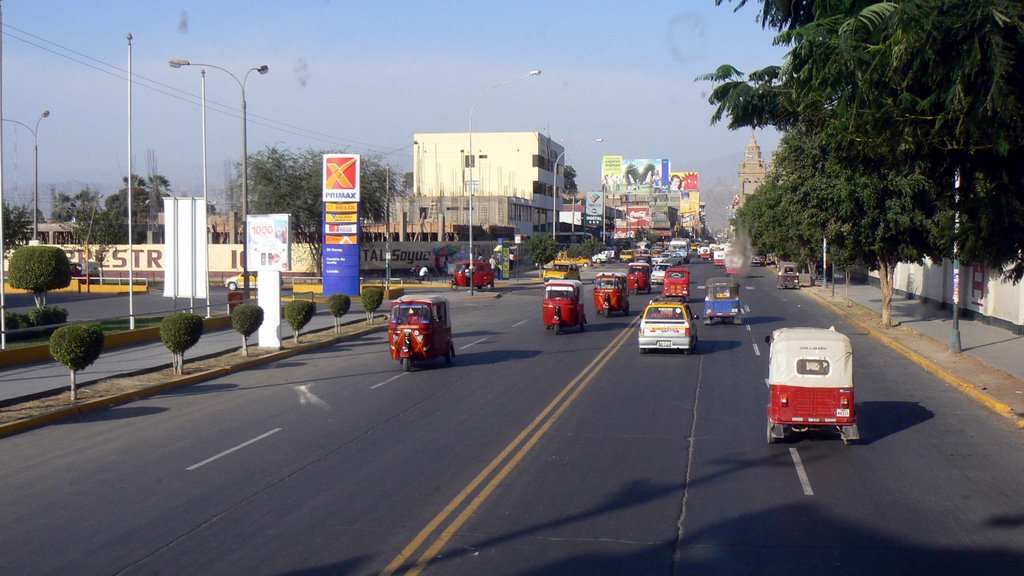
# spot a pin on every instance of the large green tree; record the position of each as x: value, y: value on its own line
x: 290, y: 182
x: 931, y: 83
x: 17, y: 222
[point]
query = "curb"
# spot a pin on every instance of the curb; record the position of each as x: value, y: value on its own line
x: 88, y: 406
x: 993, y: 404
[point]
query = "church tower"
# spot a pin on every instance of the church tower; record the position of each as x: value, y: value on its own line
x: 751, y: 171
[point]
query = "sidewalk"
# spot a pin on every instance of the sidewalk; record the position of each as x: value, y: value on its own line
x: 990, y: 367
x: 41, y: 378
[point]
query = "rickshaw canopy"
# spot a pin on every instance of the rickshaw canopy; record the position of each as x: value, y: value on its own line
x: 722, y: 289
x: 610, y: 280
x: 811, y: 357
x: 570, y: 289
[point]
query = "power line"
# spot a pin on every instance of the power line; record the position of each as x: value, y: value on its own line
x: 185, y: 96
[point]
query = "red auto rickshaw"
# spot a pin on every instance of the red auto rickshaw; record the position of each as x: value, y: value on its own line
x: 420, y: 329
x: 639, y: 275
x: 677, y: 284
x: 611, y: 293
x: 810, y: 383
x: 483, y: 275
x: 562, y: 305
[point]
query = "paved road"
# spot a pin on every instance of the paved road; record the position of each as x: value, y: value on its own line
x: 532, y: 454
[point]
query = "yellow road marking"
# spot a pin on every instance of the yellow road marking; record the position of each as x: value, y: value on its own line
x: 537, y: 427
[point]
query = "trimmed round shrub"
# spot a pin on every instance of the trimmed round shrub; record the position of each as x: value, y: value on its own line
x: 76, y: 346
x: 247, y: 318
x: 39, y: 268
x: 339, y: 304
x: 48, y: 315
x: 298, y: 313
x: 17, y: 320
x: 180, y: 331
x: 372, y: 298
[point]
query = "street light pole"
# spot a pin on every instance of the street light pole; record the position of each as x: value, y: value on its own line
x: 471, y: 161
x: 554, y: 196
x: 263, y: 69
x: 35, y: 189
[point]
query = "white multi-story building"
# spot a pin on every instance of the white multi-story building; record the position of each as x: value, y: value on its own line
x: 510, y: 174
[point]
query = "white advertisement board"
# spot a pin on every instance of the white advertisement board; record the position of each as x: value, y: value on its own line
x: 269, y: 246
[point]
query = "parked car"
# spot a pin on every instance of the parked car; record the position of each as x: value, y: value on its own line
x: 561, y: 271
x: 235, y: 282
x: 757, y: 260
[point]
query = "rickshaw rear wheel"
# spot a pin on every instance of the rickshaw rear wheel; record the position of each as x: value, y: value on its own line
x: 454, y: 286
x: 771, y: 437
x: 558, y: 329
x: 449, y: 354
x: 406, y: 364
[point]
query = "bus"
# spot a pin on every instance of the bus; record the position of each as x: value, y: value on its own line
x: 681, y: 244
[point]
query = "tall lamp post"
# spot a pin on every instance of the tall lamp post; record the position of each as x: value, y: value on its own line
x: 35, y: 189
x: 554, y: 195
x: 471, y: 162
x: 178, y: 63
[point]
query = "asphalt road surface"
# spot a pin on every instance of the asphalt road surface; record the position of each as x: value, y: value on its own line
x: 531, y: 454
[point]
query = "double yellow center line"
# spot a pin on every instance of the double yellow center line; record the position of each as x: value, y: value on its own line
x: 505, y: 462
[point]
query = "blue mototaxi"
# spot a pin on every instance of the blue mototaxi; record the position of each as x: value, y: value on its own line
x: 721, y: 300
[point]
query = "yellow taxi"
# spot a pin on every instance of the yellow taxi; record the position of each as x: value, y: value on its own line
x: 561, y: 270
x: 235, y: 282
x: 668, y: 325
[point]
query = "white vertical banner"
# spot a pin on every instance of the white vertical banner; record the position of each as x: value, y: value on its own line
x: 185, y: 248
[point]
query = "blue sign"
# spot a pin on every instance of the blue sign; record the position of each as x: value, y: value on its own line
x: 340, y: 256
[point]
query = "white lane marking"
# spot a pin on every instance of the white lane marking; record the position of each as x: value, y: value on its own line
x: 757, y: 351
x: 751, y: 287
x: 473, y: 343
x: 230, y: 450
x: 746, y: 309
x: 392, y: 379
x: 766, y: 383
x: 801, y: 473
x: 520, y: 323
x: 307, y: 397
x: 748, y: 327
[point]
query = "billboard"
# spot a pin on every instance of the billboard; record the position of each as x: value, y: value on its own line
x: 687, y: 185
x: 269, y: 246
x: 634, y: 176
x: 637, y: 217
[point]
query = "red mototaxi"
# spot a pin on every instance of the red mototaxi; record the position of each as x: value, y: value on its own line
x: 810, y: 383
x: 677, y: 283
x: 483, y: 275
x: 420, y: 329
x: 639, y: 275
x: 563, y: 306
x: 611, y: 293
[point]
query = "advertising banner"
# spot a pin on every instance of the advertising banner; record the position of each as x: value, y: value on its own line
x: 638, y: 217
x: 634, y: 176
x: 341, y: 178
x: 687, y: 185
x: 595, y: 204
x: 269, y: 246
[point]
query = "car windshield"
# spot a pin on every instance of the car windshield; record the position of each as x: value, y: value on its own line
x: 606, y: 282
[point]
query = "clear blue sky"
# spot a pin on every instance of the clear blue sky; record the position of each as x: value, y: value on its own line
x: 364, y: 77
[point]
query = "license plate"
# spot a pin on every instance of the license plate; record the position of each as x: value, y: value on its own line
x: 842, y: 412
x: 664, y: 344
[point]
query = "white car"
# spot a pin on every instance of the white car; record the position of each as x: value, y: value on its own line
x: 667, y: 325
x: 658, y: 272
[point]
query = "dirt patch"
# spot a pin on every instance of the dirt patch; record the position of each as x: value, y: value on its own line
x: 118, y: 385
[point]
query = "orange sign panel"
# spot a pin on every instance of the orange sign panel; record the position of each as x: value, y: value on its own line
x: 335, y: 239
